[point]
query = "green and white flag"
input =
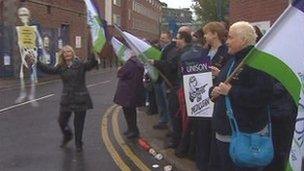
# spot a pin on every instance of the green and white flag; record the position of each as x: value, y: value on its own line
x: 144, y: 48
x: 96, y: 26
x: 144, y: 52
x: 280, y: 54
x: 122, y: 52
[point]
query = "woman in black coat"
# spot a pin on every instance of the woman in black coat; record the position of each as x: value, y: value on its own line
x: 130, y: 93
x: 75, y: 96
x: 250, y: 93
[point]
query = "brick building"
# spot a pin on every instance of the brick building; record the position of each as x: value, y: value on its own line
x: 140, y: 17
x: 59, y: 22
x: 64, y: 22
x: 173, y: 18
x: 262, y: 13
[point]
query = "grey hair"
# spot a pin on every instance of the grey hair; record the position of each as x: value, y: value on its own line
x: 245, y: 31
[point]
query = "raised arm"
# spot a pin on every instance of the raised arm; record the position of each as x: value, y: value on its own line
x: 90, y: 63
x: 48, y: 69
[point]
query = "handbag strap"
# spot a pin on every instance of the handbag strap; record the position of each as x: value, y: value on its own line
x: 232, y: 121
x: 229, y: 111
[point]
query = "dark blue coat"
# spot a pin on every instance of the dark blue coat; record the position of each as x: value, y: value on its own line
x: 250, y: 96
x: 130, y: 89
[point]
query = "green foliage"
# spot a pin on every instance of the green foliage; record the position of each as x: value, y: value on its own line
x: 206, y: 10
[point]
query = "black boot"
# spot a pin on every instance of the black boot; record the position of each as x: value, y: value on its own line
x: 67, y: 137
x: 133, y: 134
x: 79, y: 147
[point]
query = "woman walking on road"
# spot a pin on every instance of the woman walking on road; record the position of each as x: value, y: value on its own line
x: 75, y: 96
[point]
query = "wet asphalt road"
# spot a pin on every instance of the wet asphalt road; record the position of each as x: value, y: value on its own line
x: 30, y: 136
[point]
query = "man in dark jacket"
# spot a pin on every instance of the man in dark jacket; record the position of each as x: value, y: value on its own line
x: 170, y: 68
x: 160, y: 88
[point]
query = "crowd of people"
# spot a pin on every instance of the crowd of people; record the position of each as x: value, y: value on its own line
x: 255, y: 96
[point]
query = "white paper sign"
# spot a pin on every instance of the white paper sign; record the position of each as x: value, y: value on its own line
x: 7, y: 60
x: 196, y: 87
x: 78, y: 42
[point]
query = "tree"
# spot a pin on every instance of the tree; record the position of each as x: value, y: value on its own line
x: 207, y: 10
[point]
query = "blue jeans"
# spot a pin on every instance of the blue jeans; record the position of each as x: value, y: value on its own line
x: 161, y: 101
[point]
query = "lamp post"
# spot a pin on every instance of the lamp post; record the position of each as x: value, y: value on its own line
x: 219, y: 9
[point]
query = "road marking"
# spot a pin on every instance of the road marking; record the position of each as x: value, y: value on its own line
x: 17, y: 86
x: 106, y: 139
x: 24, y: 103
x: 100, y: 83
x: 123, y: 144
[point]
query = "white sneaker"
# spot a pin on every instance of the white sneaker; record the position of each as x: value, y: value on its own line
x: 20, y: 99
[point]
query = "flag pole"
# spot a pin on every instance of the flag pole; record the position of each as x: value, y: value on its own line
x: 138, y: 52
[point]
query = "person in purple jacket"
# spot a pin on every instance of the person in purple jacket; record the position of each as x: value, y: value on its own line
x: 130, y: 93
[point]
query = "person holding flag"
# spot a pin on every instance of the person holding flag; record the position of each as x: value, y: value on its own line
x: 250, y: 92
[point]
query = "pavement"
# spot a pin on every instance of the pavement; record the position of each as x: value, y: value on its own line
x: 156, y: 138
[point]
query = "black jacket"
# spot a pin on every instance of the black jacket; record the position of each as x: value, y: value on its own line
x: 250, y: 96
x: 168, y: 63
x: 282, y: 104
x: 75, y: 96
x: 221, y: 57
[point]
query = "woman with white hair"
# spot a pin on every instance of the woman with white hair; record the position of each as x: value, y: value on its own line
x: 75, y: 96
x: 250, y: 92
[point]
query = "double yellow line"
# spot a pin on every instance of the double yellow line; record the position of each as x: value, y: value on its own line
x: 109, y: 145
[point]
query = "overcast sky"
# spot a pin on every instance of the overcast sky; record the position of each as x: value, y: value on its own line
x: 178, y: 3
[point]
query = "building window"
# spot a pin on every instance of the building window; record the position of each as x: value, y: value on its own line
x: 117, y: 2
x: 117, y: 19
x: 141, y: 9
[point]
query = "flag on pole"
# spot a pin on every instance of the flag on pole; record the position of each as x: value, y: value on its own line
x: 144, y: 48
x: 94, y: 20
x: 280, y: 54
x: 143, y: 51
x: 122, y: 51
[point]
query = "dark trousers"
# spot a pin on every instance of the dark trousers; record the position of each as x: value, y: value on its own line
x: 226, y: 161
x: 79, y: 118
x: 282, y: 134
x: 206, y: 149
x: 173, y: 107
x: 131, y: 118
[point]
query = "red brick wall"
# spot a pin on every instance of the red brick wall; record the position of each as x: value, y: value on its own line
x: 126, y: 24
x: 256, y: 10
x: 1, y: 10
x: 150, y: 22
x: 70, y: 12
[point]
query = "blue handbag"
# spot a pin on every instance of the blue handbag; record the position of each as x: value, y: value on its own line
x: 249, y: 149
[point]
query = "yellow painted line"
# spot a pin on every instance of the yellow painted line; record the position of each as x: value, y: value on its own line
x: 123, y: 144
x: 106, y: 139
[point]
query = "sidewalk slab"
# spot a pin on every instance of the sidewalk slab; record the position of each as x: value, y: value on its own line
x: 157, y: 139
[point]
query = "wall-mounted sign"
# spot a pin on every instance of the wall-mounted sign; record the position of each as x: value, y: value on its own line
x: 78, y: 42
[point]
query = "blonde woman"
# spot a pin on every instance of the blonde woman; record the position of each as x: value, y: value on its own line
x: 75, y: 96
